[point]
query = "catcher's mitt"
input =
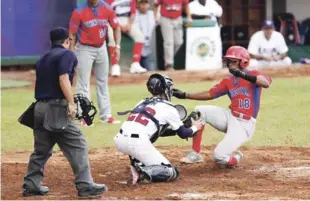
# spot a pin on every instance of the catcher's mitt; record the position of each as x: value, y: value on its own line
x: 188, y: 122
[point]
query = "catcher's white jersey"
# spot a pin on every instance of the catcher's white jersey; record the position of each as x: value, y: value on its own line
x: 135, y: 133
x: 163, y: 112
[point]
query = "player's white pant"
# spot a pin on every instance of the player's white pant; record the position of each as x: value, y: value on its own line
x: 134, y: 33
x: 255, y: 64
x: 238, y: 131
x: 139, y: 148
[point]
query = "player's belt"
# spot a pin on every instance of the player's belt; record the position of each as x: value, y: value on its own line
x: 93, y: 45
x: 123, y: 15
x: 134, y: 135
x: 241, y: 115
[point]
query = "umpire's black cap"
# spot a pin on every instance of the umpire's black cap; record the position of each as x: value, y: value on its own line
x: 58, y: 34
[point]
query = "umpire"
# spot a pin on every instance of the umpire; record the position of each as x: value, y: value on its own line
x: 53, y: 120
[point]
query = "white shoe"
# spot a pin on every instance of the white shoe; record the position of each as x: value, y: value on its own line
x: 238, y: 155
x: 136, y: 68
x: 192, y: 157
x: 116, y: 70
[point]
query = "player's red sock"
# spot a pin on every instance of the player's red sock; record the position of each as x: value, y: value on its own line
x: 232, y: 161
x: 197, y: 140
x: 112, y: 55
x: 136, y: 52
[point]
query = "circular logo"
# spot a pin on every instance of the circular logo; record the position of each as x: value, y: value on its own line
x: 203, y: 47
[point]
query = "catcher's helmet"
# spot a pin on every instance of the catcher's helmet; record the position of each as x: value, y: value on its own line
x: 158, y: 84
x: 240, y: 53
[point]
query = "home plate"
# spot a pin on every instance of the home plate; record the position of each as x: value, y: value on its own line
x: 188, y: 196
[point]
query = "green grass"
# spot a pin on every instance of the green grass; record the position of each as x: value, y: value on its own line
x: 282, y: 121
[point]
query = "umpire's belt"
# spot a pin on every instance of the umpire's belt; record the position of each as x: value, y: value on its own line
x: 134, y: 135
x: 241, y: 115
x: 64, y: 101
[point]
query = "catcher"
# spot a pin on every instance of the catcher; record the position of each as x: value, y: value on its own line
x: 148, y: 121
x: 238, y: 122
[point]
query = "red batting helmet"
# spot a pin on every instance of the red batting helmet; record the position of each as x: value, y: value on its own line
x: 240, y: 53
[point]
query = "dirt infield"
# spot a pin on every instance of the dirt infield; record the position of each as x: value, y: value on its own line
x: 265, y: 173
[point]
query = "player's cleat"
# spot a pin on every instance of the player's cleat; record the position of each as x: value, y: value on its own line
x: 116, y: 70
x: 110, y: 120
x: 136, y: 68
x: 28, y: 192
x: 238, y: 156
x: 92, y: 192
x: 192, y: 157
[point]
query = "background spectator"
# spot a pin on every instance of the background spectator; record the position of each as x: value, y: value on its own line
x: 209, y: 9
x: 267, y: 47
x: 171, y: 24
x: 125, y: 11
x: 145, y: 20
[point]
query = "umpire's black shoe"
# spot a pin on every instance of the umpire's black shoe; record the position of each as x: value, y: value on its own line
x: 93, y: 191
x: 31, y: 192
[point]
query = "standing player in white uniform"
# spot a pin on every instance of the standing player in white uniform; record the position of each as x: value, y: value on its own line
x: 125, y: 11
x: 267, y: 47
x: 149, y: 120
x: 238, y: 122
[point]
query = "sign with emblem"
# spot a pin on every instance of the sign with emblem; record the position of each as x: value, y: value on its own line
x: 203, y: 48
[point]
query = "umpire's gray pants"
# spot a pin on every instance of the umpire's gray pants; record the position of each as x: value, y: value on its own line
x: 98, y: 58
x: 172, y: 32
x: 71, y: 142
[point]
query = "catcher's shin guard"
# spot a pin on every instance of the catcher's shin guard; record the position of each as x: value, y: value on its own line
x: 160, y: 173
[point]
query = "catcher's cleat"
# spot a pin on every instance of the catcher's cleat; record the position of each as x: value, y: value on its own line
x: 135, y: 175
x: 192, y: 157
x: 28, y: 192
x: 94, y: 191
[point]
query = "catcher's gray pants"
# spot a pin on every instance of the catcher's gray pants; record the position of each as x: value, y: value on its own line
x: 89, y: 57
x: 172, y: 32
x: 71, y: 142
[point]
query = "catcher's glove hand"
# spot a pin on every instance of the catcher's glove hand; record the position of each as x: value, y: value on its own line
x: 195, y: 115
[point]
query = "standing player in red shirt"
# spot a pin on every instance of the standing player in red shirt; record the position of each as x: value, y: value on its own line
x: 171, y: 24
x: 238, y: 122
x: 88, y: 25
x: 125, y: 11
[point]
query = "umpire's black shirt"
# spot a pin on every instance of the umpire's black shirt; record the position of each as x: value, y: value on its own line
x: 54, y: 63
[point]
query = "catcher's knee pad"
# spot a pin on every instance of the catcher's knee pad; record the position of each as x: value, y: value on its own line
x: 160, y: 173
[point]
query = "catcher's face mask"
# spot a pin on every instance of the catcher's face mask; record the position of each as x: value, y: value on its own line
x: 168, y: 87
x: 85, y: 110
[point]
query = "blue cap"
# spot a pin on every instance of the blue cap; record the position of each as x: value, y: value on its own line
x: 268, y: 24
x: 59, y: 33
